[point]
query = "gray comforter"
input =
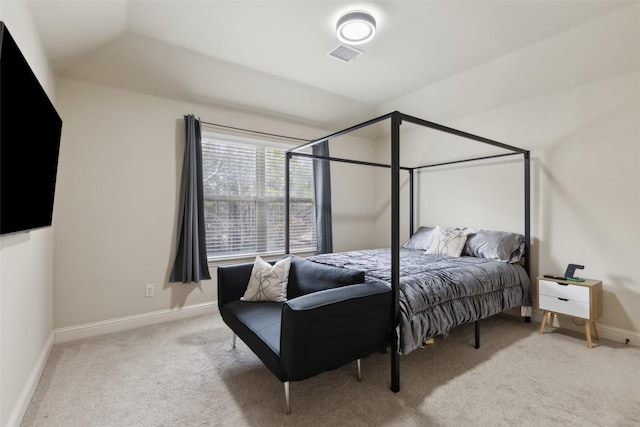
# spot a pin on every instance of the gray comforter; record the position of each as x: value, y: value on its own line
x: 439, y: 292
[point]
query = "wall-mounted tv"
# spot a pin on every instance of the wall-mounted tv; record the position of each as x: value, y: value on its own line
x: 30, y: 130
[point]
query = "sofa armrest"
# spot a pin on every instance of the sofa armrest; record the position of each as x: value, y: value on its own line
x: 349, y: 294
x: 232, y: 282
x: 327, y: 329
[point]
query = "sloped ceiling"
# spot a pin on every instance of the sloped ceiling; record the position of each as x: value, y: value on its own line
x: 270, y: 56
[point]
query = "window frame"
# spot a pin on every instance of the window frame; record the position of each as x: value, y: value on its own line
x: 260, y: 199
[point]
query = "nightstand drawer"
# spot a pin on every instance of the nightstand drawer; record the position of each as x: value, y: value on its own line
x: 570, y: 292
x: 569, y: 307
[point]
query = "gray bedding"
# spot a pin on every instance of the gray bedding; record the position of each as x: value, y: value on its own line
x: 439, y: 292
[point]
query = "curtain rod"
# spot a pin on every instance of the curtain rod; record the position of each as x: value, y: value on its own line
x: 254, y: 131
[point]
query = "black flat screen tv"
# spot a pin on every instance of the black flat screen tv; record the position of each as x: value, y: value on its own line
x: 30, y: 131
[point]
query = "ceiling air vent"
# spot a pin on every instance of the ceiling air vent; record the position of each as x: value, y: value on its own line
x: 345, y: 53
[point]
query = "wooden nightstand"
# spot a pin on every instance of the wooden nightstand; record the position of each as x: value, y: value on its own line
x: 582, y: 300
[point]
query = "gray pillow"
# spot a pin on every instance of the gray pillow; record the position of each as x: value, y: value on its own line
x: 307, y: 276
x: 421, y: 239
x: 498, y: 245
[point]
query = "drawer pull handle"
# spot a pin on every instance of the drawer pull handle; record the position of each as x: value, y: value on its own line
x: 562, y: 284
x: 563, y: 299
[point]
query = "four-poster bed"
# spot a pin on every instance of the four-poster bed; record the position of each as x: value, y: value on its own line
x: 504, y: 284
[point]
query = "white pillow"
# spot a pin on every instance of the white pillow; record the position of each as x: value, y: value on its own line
x: 268, y: 282
x: 448, y: 241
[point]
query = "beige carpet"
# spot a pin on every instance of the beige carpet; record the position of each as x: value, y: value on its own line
x: 185, y: 373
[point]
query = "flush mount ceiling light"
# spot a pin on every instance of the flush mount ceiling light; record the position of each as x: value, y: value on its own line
x: 356, y: 27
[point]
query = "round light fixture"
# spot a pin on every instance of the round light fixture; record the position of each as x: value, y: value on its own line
x: 356, y: 27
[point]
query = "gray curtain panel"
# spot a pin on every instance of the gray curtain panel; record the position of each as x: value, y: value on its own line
x: 190, y: 264
x: 322, y: 187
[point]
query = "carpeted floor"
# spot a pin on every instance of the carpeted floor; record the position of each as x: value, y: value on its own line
x: 185, y: 373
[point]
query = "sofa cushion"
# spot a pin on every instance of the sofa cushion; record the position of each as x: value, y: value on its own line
x: 258, y: 326
x: 307, y: 276
x: 263, y: 320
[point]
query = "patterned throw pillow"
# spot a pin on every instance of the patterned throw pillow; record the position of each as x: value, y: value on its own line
x: 448, y: 241
x: 268, y: 282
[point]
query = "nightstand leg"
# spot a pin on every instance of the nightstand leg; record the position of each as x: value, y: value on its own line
x: 551, y: 317
x: 587, y: 330
x: 544, y: 320
x: 597, y: 331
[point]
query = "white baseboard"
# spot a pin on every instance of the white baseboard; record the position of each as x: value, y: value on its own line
x: 118, y: 324
x: 606, y: 332
x: 620, y: 335
x: 16, y: 416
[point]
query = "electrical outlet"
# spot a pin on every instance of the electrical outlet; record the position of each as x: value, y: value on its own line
x: 149, y: 290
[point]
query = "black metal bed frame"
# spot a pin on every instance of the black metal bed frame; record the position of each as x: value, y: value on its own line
x: 396, y: 120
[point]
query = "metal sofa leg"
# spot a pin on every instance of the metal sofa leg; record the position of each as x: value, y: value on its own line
x: 287, y: 398
x: 234, y: 340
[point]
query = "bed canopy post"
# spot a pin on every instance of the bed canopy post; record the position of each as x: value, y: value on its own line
x: 411, y: 202
x: 287, y: 198
x: 396, y: 121
x: 527, y: 214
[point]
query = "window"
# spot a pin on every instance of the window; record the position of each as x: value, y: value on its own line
x: 244, y: 198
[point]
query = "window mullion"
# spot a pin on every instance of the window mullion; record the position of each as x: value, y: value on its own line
x: 261, y: 205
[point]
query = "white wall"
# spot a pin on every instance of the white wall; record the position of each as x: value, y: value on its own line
x: 26, y: 267
x: 353, y: 197
x: 584, y: 137
x: 116, y: 206
x: 589, y: 204
x: 459, y: 195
